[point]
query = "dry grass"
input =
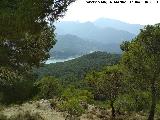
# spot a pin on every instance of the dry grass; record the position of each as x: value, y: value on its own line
x: 43, y: 110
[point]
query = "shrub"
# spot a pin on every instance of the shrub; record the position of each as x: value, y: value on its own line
x: 74, y: 101
x: 73, y: 108
x: 125, y: 103
x: 48, y: 87
x: 15, y: 88
x: 83, y: 95
x: 135, y: 102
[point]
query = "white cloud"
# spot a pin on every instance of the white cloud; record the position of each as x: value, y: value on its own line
x: 131, y: 13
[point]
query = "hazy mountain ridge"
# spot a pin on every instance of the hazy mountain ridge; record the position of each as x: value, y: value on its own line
x: 75, y: 38
x: 92, y: 32
x: 72, y: 46
x: 132, y: 28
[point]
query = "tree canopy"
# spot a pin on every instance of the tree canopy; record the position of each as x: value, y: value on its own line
x: 27, y: 31
x: 26, y: 37
x: 19, y: 17
x: 141, y: 61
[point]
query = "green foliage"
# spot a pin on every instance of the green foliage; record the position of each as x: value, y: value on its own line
x: 107, y: 82
x: 73, y: 108
x: 73, y: 71
x: 72, y: 100
x: 111, y: 82
x: 14, y: 87
x: 102, y: 104
x: 158, y: 109
x: 139, y: 101
x: 24, y: 53
x: 72, y: 92
x: 26, y: 37
x: 28, y: 16
x: 125, y: 103
x: 141, y: 63
x: 142, y: 58
x: 124, y: 46
x: 48, y: 87
x: 142, y: 101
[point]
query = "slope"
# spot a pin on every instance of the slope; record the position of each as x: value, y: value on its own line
x: 75, y: 70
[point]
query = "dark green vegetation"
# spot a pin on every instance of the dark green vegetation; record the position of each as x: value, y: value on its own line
x: 107, y: 83
x: 48, y: 87
x: 74, y: 71
x: 141, y: 62
x: 26, y: 37
x: 72, y: 99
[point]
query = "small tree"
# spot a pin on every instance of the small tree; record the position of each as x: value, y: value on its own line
x: 109, y: 83
x: 73, y: 101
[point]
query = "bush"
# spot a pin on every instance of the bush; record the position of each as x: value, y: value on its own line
x: 82, y: 95
x: 125, y: 103
x: 74, y: 101
x: 17, y: 92
x: 15, y: 87
x: 137, y: 102
x: 73, y: 108
x: 48, y: 87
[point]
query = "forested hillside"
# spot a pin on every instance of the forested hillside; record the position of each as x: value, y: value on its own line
x: 76, y: 69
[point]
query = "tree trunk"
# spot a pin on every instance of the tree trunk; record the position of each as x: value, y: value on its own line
x: 113, y: 110
x: 153, y: 104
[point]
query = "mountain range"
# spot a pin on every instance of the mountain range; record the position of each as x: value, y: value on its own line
x: 72, y: 46
x: 76, y: 38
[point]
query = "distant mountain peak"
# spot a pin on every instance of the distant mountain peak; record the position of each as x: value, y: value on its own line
x: 117, y: 24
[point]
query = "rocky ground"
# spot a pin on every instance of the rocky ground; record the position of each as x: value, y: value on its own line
x: 44, y: 109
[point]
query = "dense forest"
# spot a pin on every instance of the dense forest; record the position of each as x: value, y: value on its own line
x: 96, y: 86
x: 75, y: 70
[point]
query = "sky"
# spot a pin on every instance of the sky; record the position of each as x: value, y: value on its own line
x: 134, y: 13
